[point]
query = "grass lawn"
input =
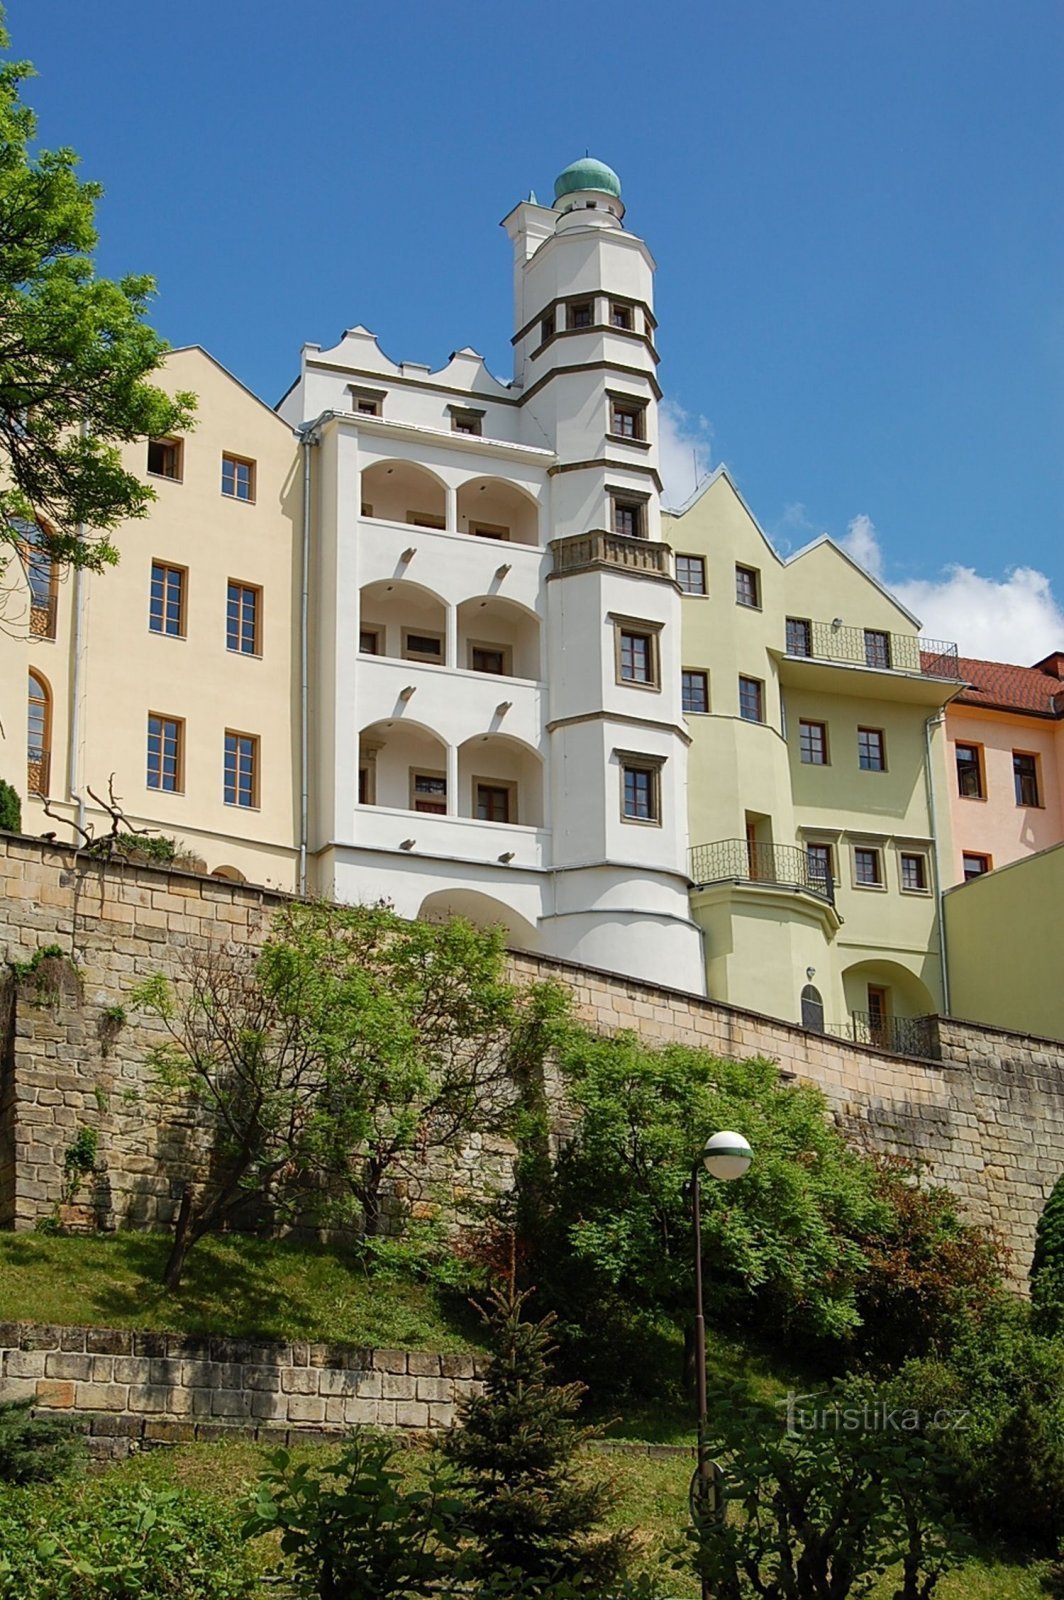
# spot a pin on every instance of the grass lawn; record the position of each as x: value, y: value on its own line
x: 273, y: 1289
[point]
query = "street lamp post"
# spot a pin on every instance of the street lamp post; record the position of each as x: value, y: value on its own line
x: 725, y: 1156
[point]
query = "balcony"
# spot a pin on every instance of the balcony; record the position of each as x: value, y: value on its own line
x: 823, y: 656
x: 784, y: 866
x: 581, y: 552
x: 902, y: 1036
x: 43, y: 617
x: 38, y: 773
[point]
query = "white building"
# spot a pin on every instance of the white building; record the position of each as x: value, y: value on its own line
x: 464, y: 533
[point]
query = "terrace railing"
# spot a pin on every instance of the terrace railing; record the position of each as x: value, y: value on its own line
x: 739, y: 860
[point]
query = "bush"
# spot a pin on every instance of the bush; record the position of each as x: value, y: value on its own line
x: 1047, y: 1267
x: 10, y: 808
x: 109, y: 1541
x: 36, y: 1449
x: 156, y: 846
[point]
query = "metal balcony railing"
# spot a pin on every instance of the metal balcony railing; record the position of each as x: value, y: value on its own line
x: 738, y: 860
x: 42, y: 618
x: 905, y: 1036
x: 581, y: 550
x: 38, y: 772
x: 873, y: 648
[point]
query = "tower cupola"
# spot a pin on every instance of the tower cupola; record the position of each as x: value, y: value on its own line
x: 588, y: 184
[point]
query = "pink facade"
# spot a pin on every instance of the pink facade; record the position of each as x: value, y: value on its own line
x: 1005, y: 733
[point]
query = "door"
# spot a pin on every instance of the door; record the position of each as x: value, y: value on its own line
x: 879, y: 1016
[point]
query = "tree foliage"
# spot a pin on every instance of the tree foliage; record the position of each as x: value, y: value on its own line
x: 10, y: 808
x: 36, y: 1449
x: 75, y: 353
x: 1047, y: 1266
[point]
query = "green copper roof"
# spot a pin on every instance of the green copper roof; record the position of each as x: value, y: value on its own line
x: 587, y: 174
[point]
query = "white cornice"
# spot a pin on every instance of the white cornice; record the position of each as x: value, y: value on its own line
x: 465, y: 443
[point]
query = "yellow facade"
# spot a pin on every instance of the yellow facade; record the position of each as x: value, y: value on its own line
x: 852, y: 671
x: 1010, y: 982
x: 105, y: 670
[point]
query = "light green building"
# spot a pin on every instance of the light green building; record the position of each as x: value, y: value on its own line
x: 817, y: 799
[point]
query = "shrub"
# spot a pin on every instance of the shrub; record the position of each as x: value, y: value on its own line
x: 156, y: 846
x: 1047, y: 1267
x: 10, y: 808
x: 36, y: 1449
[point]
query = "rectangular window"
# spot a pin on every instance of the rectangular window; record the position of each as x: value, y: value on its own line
x: 489, y: 530
x: 813, y: 743
x: 691, y: 574
x: 369, y: 641
x: 241, y: 769
x: 620, y: 316
x: 751, y: 700
x: 466, y: 421
x: 628, y: 517
x: 876, y: 648
x: 819, y: 866
x: 969, y: 771
x: 429, y: 792
x: 695, y: 687
x: 165, y: 752
x: 547, y: 327
x: 368, y: 408
x: 641, y: 793
x: 913, y: 873
x: 166, y: 607
x: 489, y: 658
x: 423, y: 647
x: 581, y: 314
x: 425, y: 519
x: 867, y: 868
x: 636, y: 657
x: 493, y: 802
x: 871, y: 750
x: 626, y: 419
x: 242, y: 618
x: 164, y: 458
x: 238, y: 478
x: 799, y: 636
x: 747, y: 586
x: 1025, y: 774
x: 974, y: 865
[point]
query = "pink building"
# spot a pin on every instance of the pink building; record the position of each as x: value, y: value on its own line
x: 1006, y: 738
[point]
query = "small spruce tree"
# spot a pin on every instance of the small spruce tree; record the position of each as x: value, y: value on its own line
x: 533, y: 1508
x: 10, y: 808
x: 1047, y: 1267
x: 36, y: 1449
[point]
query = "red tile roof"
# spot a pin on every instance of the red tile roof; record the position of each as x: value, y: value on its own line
x: 1036, y: 690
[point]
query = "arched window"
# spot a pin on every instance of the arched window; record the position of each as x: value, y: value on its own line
x: 38, y: 735
x: 812, y: 1009
x: 42, y: 577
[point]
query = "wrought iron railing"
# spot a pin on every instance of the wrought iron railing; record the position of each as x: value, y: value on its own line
x: 42, y: 618
x: 740, y: 860
x: 872, y: 647
x: 904, y: 1036
x: 581, y: 550
x: 37, y: 772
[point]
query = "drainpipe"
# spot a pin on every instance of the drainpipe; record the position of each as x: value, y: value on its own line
x: 74, y: 793
x: 308, y: 439
x: 937, y: 721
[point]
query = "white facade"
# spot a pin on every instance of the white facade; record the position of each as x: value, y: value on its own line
x: 494, y: 680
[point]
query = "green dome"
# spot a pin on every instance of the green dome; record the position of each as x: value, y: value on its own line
x: 587, y: 174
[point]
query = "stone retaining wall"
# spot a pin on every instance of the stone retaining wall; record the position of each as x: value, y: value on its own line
x: 155, y: 1388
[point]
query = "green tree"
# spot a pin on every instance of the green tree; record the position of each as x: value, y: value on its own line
x: 75, y: 353
x: 36, y: 1449
x: 10, y: 808
x: 533, y: 1508
x: 1047, y: 1266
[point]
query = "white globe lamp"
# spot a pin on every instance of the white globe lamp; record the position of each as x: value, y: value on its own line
x: 727, y: 1155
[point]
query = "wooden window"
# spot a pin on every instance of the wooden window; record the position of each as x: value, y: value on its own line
x: 641, y: 792
x: 495, y: 802
x: 799, y: 636
x: 581, y: 314
x: 820, y: 867
x: 970, y: 771
x: 423, y: 647
x: 620, y: 316
x: 243, y: 611
x: 877, y: 648
x: 166, y: 607
x: 425, y: 519
x: 1025, y: 776
x: 871, y: 750
x: 428, y: 792
x: 637, y: 657
x: 164, y: 458
x: 628, y: 516
x: 241, y: 769
x: 974, y: 864
x: 913, y: 872
x: 813, y: 743
x: 238, y: 478
x: 38, y: 735
x: 867, y: 867
x: 627, y: 418
x: 694, y: 688
x: 751, y: 700
x: 691, y: 574
x: 493, y: 658
x: 879, y: 1016
x: 166, y: 752
x: 489, y: 530
x: 42, y: 576
x: 369, y: 641
x: 366, y: 402
x: 747, y: 586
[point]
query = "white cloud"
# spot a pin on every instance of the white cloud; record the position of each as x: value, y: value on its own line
x: 1013, y: 618
x: 684, y: 449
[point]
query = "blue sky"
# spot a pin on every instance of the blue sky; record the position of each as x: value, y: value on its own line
x: 855, y: 210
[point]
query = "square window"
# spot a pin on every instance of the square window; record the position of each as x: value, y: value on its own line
x: 819, y: 867
x: 166, y: 604
x: 867, y: 868
x: 691, y: 574
x: 423, y: 647
x: 620, y: 316
x: 628, y: 517
x: 813, y: 743
x: 974, y: 865
x: 489, y: 658
x: 489, y: 530
x: 969, y: 771
x: 368, y: 408
x: 166, y: 739
x: 366, y: 402
x: 636, y: 657
x: 429, y: 792
x: 243, y: 606
x: 751, y: 700
x: 747, y: 586
x: 466, y: 421
x: 626, y: 419
x: 241, y: 786
x: 164, y: 458
x: 641, y: 793
x: 369, y: 642
x: 1025, y: 775
x: 695, y: 687
x: 913, y: 873
x: 581, y: 314
x: 871, y: 750
x: 877, y: 648
x: 238, y: 478
x: 494, y: 802
x: 799, y: 636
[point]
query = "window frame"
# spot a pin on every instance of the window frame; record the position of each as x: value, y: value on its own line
x: 507, y: 786
x: 503, y: 650
x: 758, y: 684
x: 877, y: 644
x: 623, y: 501
x: 574, y: 308
x: 694, y: 672
x: 810, y: 759
x: 879, y: 883
x: 619, y: 308
x: 975, y: 855
x: 683, y: 555
x: 366, y: 402
x: 167, y: 567
x: 243, y: 588
x: 1035, y: 775
x: 172, y: 442
x: 425, y: 659
x: 806, y: 624
x: 254, y: 804
x: 165, y: 719
x: 645, y: 766
x: 979, y: 768
x: 923, y: 861
x: 829, y: 849
x: 490, y: 530
x: 880, y: 735
x: 230, y: 458
x: 43, y: 760
x: 376, y: 634
x: 467, y: 420
x: 434, y: 776
x: 743, y: 572
x: 632, y: 407
x: 635, y: 629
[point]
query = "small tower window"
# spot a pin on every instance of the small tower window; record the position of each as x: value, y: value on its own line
x: 621, y: 317
x: 366, y: 402
x: 465, y: 419
x: 581, y: 314
x: 548, y: 327
x: 629, y: 516
x: 627, y: 417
